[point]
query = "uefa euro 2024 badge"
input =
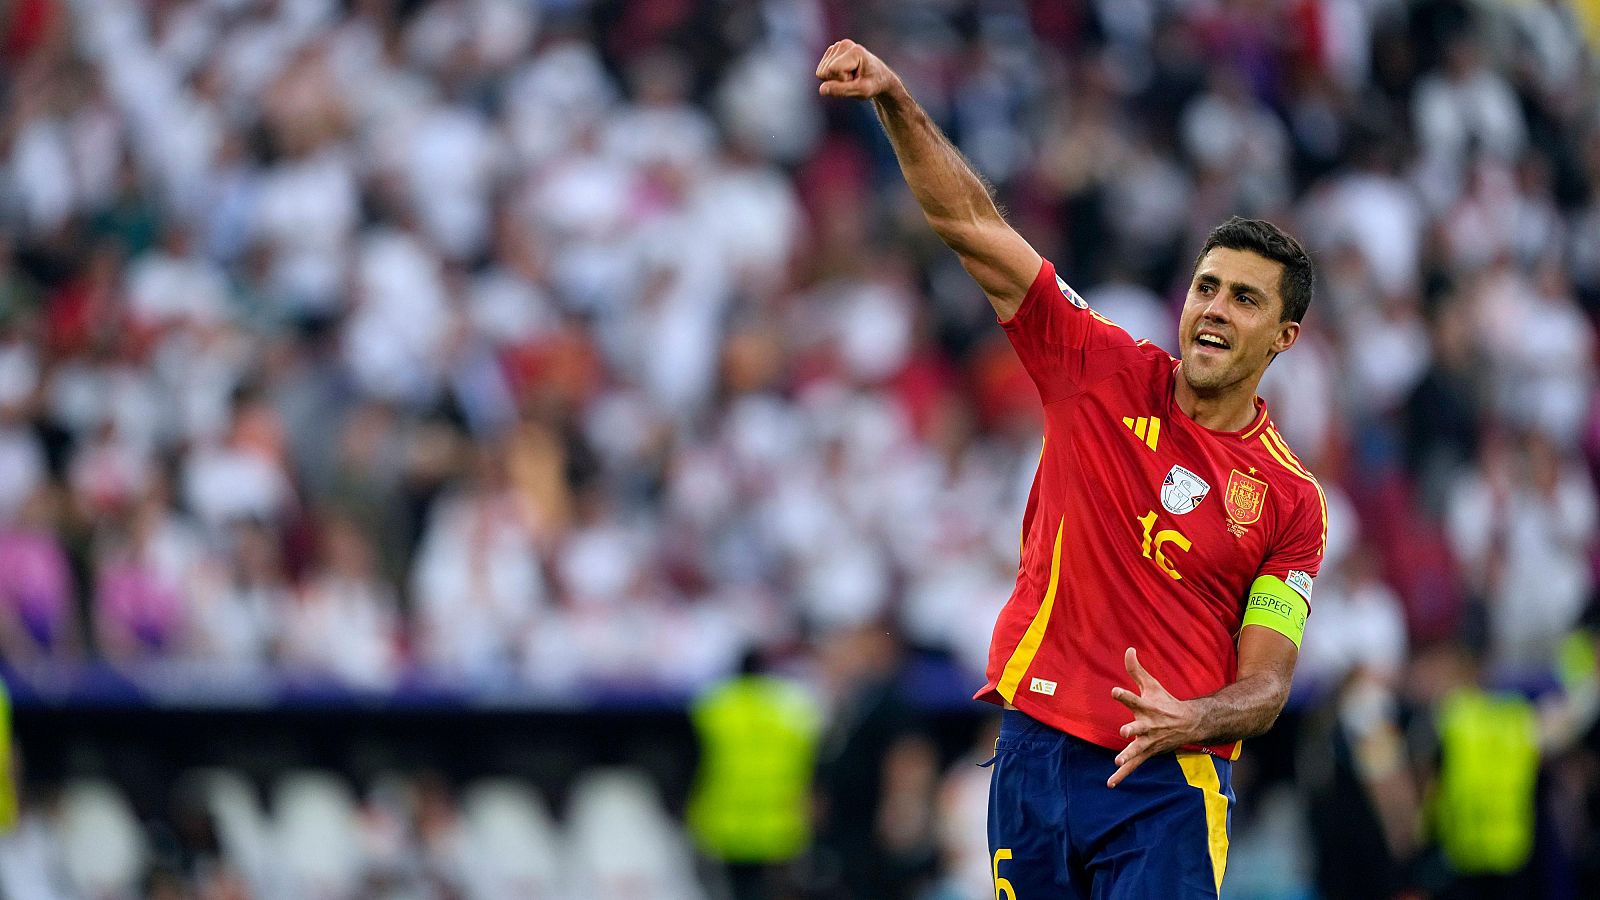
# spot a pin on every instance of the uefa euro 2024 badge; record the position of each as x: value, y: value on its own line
x: 1071, y: 295
x: 1182, y: 491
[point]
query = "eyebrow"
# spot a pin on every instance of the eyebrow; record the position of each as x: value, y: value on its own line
x: 1238, y: 287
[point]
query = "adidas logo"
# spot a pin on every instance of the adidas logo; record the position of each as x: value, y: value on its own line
x: 1145, y: 428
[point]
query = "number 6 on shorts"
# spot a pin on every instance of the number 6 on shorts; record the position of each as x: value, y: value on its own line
x: 1002, y: 887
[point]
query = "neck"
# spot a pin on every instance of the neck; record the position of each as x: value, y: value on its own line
x: 1226, y: 409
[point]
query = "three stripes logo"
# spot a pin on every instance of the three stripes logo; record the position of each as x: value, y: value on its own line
x: 1145, y: 428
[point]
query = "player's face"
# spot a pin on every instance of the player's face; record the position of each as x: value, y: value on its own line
x: 1230, y: 326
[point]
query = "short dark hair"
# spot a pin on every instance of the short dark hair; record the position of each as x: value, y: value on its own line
x: 1266, y: 239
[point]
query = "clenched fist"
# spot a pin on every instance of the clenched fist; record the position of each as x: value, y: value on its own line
x: 850, y: 70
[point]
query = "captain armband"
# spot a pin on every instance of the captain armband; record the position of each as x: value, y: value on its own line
x: 1274, y: 604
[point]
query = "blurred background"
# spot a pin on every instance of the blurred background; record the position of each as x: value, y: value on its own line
x: 533, y: 448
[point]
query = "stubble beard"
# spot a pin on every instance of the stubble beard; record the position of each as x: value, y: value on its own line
x: 1213, y: 382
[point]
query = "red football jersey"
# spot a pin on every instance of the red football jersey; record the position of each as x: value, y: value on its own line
x: 1143, y: 529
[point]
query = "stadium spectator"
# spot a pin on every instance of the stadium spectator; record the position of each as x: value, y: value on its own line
x: 38, y: 604
x: 477, y: 586
x: 146, y: 562
x: 241, y: 607
x: 1522, y: 527
x: 344, y: 622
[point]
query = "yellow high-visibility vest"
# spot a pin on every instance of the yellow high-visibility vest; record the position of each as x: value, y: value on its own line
x: 8, y: 787
x: 758, y: 746
x: 1589, y: 21
x: 1489, y: 763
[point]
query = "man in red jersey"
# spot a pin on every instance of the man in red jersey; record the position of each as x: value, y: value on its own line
x: 1168, y: 525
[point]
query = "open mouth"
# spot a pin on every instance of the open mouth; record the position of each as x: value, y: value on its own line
x: 1209, y: 341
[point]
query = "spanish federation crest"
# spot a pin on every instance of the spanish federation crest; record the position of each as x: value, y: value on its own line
x: 1182, y: 490
x: 1244, y: 498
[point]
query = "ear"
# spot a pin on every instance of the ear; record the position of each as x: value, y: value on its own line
x: 1288, y: 333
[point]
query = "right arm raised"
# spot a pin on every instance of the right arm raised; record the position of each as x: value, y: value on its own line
x: 954, y: 199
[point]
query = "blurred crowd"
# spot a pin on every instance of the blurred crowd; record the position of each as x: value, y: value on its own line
x: 551, y: 345
x: 405, y: 837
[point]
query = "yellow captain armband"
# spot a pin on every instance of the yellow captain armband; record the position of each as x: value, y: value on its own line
x: 1276, y: 605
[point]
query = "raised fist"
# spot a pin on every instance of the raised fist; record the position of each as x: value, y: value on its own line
x: 848, y: 69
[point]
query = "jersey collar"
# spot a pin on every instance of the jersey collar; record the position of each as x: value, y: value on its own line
x: 1244, y: 434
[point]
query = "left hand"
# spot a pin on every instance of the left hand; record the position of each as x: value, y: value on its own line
x: 1161, y: 722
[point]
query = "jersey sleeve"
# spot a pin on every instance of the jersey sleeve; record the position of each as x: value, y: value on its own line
x: 1063, y: 344
x: 1296, y: 556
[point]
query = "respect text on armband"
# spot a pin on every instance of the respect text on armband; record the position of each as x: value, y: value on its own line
x: 1271, y: 604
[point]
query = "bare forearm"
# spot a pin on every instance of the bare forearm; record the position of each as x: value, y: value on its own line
x: 954, y: 199
x: 1242, y: 710
x: 952, y: 196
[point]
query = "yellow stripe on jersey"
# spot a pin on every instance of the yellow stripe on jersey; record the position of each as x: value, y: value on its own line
x: 1201, y: 772
x: 1306, y: 474
x: 1280, y: 452
x: 1103, y: 320
x: 1285, y: 455
x: 1028, y: 647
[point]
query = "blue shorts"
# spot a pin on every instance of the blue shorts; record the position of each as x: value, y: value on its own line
x: 1056, y: 831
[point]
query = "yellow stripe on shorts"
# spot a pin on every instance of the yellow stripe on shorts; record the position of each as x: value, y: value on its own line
x: 1201, y: 772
